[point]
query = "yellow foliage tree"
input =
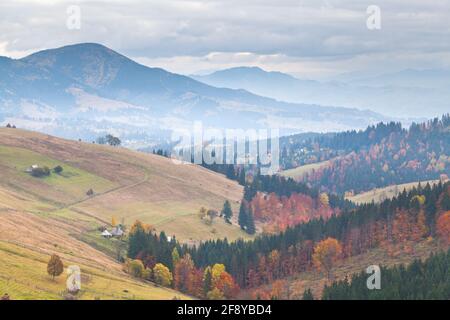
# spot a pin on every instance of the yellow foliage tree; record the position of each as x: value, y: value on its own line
x: 136, y: 268
x: 324, y: 199
x: 113, y: 221
x: 162, y: 275
x: 215, y: 294
x: 216, y: 272
x: 140, y: 226
x: 326, y: 253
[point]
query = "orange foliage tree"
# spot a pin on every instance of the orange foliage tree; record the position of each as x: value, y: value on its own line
x: 443, y: 228
x: 326, y: 253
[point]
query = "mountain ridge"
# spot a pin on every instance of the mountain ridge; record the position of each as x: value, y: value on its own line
x: 79, y: 90
x: 395, y: 94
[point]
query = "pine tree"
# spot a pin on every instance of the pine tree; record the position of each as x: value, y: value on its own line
x: 242, y: 219
x: 207, y: 281
x: 227, y: 212
x: 250, y: 222
x: 175, y: 256
x: 242, y: 177
x: 307, y: 295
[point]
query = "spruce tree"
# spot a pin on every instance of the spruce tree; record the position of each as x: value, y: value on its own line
x: 242, y: 177
x: 250, y: 222
x: 242, y: 219
x: 227, y: 212
x: 207, y: 281
x: 307, y: 295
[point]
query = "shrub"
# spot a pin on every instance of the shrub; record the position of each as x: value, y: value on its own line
x: 40, y: 172
x: 58, y: 169
x: 136, y: 268
x: 55, y: 266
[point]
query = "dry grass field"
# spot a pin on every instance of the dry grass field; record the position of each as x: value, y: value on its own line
x: 128, y: 185
x: 53, y: 214
x: 379, y: 194
x: 23, y: 276
x: 299, y: 172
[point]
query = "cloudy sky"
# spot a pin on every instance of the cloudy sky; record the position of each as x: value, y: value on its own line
x: 307, y: 38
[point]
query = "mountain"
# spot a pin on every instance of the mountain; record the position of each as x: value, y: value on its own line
x: 81, y: 90
x: 410, y: 93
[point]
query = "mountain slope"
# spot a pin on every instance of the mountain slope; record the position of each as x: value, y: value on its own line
x: 54, y: 215
x: 380, y: 156
x: 126, y: 184
x: 80, y: 90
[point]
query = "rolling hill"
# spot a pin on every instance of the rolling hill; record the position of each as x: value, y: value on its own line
x: 126, y: 184
x: 42, y: 216
x: 380, y: 194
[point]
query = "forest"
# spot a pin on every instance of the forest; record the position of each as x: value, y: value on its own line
x: 413, y: 216
x: 428, y: 280
x: 379, y: 156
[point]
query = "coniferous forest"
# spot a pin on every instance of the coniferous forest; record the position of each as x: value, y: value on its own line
x: 429, y: 280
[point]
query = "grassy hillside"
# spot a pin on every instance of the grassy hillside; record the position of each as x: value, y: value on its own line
x: 379, y: 194
x: 128, y: 185
x: 299, y: 172
x: 53, y: 214
x: 23, y: 276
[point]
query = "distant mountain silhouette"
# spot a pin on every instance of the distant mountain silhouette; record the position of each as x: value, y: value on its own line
x: 407, y: 93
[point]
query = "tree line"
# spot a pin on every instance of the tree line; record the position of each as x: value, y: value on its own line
x: 429, y: 280
x: 410, y: 217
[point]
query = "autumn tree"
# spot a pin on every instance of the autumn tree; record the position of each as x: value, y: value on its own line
x: 215, y: 294
x: 216, y: 271
x: 443, y: 228
x: 136, y: 268
x: 278, y: 288
x: 207, y: 280
x: 326, y: 253
x: 227, y: 285
x: 324, y: 199
x: 175, y: 256
x: 55, y: 266
x: 162, y: 275
x: 183, y: 272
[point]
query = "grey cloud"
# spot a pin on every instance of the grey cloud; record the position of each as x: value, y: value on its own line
x: 302, y: 29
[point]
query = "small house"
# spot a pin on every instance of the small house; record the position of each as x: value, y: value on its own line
x: 117, y: 231
x: 30, y: 169
x: 106, y: 234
